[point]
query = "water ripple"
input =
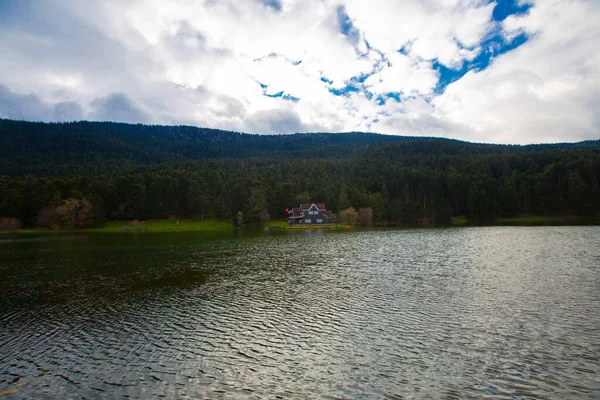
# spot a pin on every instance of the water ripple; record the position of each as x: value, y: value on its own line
x: 457, y: 313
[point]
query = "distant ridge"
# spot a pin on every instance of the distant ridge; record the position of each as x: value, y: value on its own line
x: 26, y: 147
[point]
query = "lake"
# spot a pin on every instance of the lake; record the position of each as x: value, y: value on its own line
x: 499, y: 312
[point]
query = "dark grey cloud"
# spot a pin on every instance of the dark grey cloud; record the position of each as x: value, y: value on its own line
x: 31, y: 107
x: 118, y: 107
x: 52, y: 36
x: 67, y: 111
x: 278, y: 121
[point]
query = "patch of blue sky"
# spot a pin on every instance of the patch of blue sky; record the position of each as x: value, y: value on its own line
x: 274, y: 4
x: 504, y: 8
x: 383, y: 98
x: 345, y: 24
x: 359, y: 88
x: 394, y: 95
x: 345, y: 91
x: 347, y: 28
x: 492, y: 47
x: 405, y: 49
x: 354, y: 84
x: 286, y: 96
x: 360, y: 78
x: 279, y: 94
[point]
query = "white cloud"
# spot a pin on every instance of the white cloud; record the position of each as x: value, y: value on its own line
x: 544, y: 91
x: 404, y: 75
x: 203, y: 63
x: 430, y: 29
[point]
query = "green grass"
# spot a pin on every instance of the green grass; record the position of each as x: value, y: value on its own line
x: 535, y: 220
x: 459, y: 221
x: 187, y: 225
x: 184, y: 225
x: 283, y: 224
x: 277, y: 223
x: 540, y: 220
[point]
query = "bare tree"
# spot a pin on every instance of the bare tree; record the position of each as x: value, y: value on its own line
x: 365, y: 216
x: 10, y: 224
x: 240, y: 218
x: 48, y: 218
x: 76, y: 213
x: 137, y: 225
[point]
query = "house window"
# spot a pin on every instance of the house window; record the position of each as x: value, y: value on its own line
x: 307, y: 221
x: 319, y: 221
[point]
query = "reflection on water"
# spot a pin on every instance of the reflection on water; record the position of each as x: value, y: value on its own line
x: 476, y: 312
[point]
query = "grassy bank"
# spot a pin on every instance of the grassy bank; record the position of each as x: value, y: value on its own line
x: 538, y: 220
x: 283, y: 224
x: 183, y: 225
x: 535, y: 220
x: 187, y: 225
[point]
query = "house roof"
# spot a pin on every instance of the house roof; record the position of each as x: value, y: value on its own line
x: 306, y: 206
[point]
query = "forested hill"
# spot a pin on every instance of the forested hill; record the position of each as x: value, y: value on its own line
x: 48, y: 149
x: 84, y: 173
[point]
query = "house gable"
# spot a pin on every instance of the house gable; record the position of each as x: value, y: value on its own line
x: 311, y: 213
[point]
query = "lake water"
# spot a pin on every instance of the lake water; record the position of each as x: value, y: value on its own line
x: 499, y: 312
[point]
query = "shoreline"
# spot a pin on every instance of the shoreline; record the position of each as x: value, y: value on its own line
x: 212, y: 225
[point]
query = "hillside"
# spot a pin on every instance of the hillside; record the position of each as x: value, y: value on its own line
x: 121, y: 171
x: 34, y: 148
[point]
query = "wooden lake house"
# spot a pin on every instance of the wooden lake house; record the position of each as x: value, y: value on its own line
x: 310, y: 214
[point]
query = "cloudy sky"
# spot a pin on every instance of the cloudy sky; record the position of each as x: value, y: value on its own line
x: 504, y: 72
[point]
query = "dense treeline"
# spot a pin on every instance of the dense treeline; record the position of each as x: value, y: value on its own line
x: 482, y: 187
x: 62, y: 149
x: 93, y: 148
x: 81, y: 180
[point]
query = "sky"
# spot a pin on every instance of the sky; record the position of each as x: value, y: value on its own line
x: 499, y: 72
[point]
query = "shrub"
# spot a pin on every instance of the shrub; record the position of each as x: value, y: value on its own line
x: 137, y: 225
x: 48, y: 218
x: 9, y: 224
x: 76, y: 213
x: 348, y: 216
x: 365, y: 216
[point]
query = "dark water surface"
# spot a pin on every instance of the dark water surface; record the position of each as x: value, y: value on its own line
x: 502, y: 312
